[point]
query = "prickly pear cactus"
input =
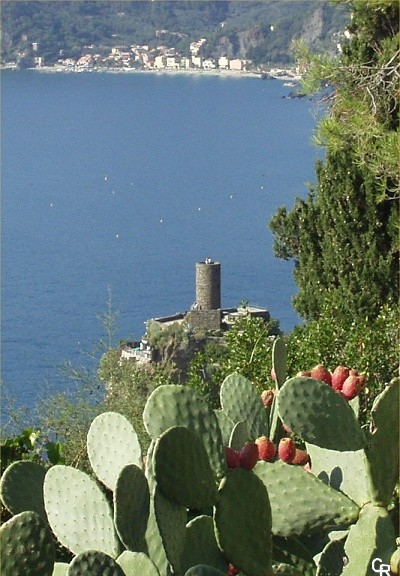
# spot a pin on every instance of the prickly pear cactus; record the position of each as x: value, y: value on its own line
x: 131, y: 506
x: 239, y: 436
x: 182, y: 469
x: 78, y: 512
x: 372, y: 537
x: 346, y: 471
x: 93, y: 563
x: 27, y: 546
x: 204, y: 570
x: 279, y: 361
x: 242, y: 520
x: 112, y: 443
x: 382, y: 450
x: 301, y: 504
x: 137, y: 563
x: 241, y: 402
x: 21, y: 488
x: 171, y: 518
x: 174, y: 405
x: 60, y: 569
x: 201, y: 546
x: 319, y: 415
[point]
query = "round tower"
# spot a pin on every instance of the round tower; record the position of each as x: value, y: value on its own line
x: 208, y: 285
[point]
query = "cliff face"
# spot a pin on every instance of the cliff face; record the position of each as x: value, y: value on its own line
x: 316, y: 27
x: 313, y: 27
x: 237, y: 45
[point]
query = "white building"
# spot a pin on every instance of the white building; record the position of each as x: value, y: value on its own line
x: 236, y: 64
x: 196, y: 61
x: 223, y: 63
x: 208, y: 64
x: 159, y: 62
x: 173, y: 63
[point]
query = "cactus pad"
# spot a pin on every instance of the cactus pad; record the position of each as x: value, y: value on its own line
x: 319, y: 415
x: 201, y: 546
x: 302, y: 504
x: 279, y: 361
x: 242, y: 519
x: 241, y: 401
x: 60, y: 569
x: 239, y: 436
x: 372, y: 537
x: 78, y: 511
x: 21, y: 487
x: 171, y: 521
x: 131, y: 506
x: 112, y: 443
x: 383, y: 446
x: 136, y: 564
x: 174, y: 405
x: 344, y: 471
x: 182, y: 469
x: 27, y: 546
x: 154, y: 545
x: 225, y: 425
x: 204, y: 570
x: 93, y: 563
x: 331, y: 560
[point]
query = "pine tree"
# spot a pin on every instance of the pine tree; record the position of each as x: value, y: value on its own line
x: 344, y: 237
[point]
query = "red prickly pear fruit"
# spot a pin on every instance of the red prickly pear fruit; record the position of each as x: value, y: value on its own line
x: 351, y: 387
x: 362, y: 380
x: 232, y: 457
x: 302, y: 373
x: 339, y: 375
x: 232, y: 570
x: 286, y: 450
x: 266, y: 449
x: 301, y: 457
x: 273, y: 374
x: 248, y: 456
x: 267, y: 397
x: 353, y: 372
x: 319, y: 372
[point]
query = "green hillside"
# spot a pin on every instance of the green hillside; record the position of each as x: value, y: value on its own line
x: 260, y: 31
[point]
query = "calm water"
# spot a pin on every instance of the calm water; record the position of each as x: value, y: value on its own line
x: 125, y: 181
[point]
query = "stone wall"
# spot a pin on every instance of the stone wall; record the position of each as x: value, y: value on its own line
x: 204, y: 319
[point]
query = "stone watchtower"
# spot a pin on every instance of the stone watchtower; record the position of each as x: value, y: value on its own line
x: 208, y: 285
x: 206, y: 312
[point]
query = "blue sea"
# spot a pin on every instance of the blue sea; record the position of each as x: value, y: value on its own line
x: 116, y: 184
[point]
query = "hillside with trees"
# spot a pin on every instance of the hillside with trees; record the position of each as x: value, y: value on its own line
x: 344, y: 237
x: 260, y: 31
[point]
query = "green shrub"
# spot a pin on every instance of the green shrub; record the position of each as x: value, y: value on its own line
x: 128, y: 385
x: 246, y: 349
x: 371, y: 347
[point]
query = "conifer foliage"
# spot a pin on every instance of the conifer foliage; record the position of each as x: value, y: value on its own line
x: 343, y: 237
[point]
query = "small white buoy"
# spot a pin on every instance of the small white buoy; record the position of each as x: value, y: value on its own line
x: 117, y: 235
x: 161, y: 221
x: 51, y: 205
x: 105, y: 177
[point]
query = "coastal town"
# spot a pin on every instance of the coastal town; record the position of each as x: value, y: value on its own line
x: 159, y: 59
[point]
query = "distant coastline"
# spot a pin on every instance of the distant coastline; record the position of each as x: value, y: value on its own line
x: 274, y: 74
